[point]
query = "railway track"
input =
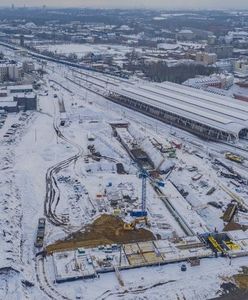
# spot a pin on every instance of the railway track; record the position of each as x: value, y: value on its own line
x: 216, y: 146
x: 110, y: 79
x: 60, y: 85
x: 84, y: 87
x: 100, y: 85
x: 175, y: 214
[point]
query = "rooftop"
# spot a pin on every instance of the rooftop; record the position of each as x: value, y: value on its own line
x: 21, y: 87
x: 220, y: 112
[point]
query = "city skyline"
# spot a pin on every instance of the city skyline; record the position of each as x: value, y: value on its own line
x: 177, y: 4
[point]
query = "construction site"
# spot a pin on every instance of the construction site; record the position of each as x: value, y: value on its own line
x: 128, y: 193
x: 124, y: 172
x: 84, y: 263
x: 137, y: 214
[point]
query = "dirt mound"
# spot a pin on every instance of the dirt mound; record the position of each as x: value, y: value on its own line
x: 236, y: 287
x: 234, y: 226
x: 107, y: 229
x: 242, y: 278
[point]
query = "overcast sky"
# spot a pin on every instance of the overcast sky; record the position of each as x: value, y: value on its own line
x: 211, y: 4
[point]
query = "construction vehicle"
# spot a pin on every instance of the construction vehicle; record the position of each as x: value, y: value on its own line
x: 183, y: 268
x: 90, y: 137
x: 197, y: 177
x: 40, y: 233
x: 129, y: 226
x: 211, y: 191
x: 132, y: 225
x: 176, y: 144
x: 172, y: 154
x: 234, y: 157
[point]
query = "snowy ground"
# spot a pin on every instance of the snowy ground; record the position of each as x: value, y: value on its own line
x: 34, y: 147
x: 118, y: 51
x: 162, y: 282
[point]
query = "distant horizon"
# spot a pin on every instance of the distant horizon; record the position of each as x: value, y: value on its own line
x: 131, y: 4
x: 124, y: 8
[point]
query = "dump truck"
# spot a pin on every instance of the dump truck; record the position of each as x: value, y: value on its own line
x: 40, y: 233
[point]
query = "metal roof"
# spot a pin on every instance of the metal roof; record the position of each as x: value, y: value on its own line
x: 8, y: 104
x: 195, y: 102
x: 220, y: 112
x: 206, y: 96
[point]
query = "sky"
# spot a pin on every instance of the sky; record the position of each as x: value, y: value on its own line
x: 166, y: 4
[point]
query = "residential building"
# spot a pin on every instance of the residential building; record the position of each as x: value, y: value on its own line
x: 206, y: 58
x: 241, y: 67
x: 9, y: 72
x: 222, y: 51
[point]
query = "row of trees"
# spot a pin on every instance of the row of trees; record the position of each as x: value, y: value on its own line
x: 160, y: 71
x: 178, y: 73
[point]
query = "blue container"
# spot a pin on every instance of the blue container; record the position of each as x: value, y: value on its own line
x: 138, y: 213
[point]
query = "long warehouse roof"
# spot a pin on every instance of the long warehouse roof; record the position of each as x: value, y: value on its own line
x: 223, y: 113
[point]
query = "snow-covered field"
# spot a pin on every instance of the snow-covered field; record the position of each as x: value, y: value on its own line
x: 82, y: 49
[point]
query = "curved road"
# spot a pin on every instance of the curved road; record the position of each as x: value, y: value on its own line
x: 52, y: 197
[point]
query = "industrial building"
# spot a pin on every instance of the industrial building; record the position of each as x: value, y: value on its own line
x: 20, y: 88
x: 18, y: 97
x: 212, y: 117
x: 19, y: 102
x: 9, y: 106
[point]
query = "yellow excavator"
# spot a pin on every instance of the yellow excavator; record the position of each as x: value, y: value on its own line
x: 132, y: 225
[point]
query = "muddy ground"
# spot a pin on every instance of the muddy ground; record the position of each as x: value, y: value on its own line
x: 107, y: 229
x: 237, y: 288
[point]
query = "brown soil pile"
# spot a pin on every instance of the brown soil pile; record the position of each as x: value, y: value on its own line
x: 242, y: 278
x: 234, y: 226
x: 237, y: 290
x: 107, y: 229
